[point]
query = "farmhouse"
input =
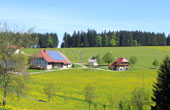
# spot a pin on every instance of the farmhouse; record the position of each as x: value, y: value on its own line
x: 120, y: 64
x: 15, y: 48
x: 92, y: 61
x: 48, y: 59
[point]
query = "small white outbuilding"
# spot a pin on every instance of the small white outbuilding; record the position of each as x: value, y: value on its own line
x: 92, y: 62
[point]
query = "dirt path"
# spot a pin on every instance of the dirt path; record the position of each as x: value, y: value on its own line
x: 83, y: 66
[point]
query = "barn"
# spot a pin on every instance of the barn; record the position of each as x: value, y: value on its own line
x: 120, y: 64
x: 48, y: 59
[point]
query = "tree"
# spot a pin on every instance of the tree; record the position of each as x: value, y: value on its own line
x: 106, y: 41
x: 98, y: 58
x: 50, y: 42
x: 155, y: 63
x: 99, y: 41
x: 121, y: 105
x: 111, y: 101
x: 49, y: 91
x: 139, y: 98
x: 161, y: 91
x: 90, y: 94
x: 135, y: 43
x: 108, y: 58
x: 13, y: 73
x: 133, y: 60
x: 113, y: 43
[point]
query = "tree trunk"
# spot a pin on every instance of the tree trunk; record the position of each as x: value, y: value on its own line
x: 5, y: 92
x: 104, y: 107
x: 49, y: 97
x: 89, y: 105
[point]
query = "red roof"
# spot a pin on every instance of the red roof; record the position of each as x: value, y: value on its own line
x: 13, y: 47
x: 50, y: 58
x: 118, y: 62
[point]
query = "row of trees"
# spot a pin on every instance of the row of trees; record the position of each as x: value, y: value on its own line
x: 46, y: 40
x: 110, y: 39
x: 28, y: 38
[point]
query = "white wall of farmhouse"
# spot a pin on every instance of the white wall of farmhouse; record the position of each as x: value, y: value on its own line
x: 49, y: 67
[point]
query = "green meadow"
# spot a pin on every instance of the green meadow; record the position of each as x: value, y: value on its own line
x: 69, y: 84
x: 145, y: 55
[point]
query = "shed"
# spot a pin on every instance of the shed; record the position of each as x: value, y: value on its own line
x: 92, y: 61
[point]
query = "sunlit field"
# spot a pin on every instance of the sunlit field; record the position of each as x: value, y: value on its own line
x: 69, y: 88
x: 69, y: 84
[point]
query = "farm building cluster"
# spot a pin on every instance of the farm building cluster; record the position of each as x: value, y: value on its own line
x: 47, y: 59
x: 120, y: 64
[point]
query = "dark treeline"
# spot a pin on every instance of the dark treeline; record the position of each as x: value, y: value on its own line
x: 114, y: 39
x: 27, y: 40
x: 47, y: 40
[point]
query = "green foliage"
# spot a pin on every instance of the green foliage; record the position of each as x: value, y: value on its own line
x: 98, y: 58
x: 99, y: 41
x: 47, y: 40
x: 135, y: 43
x: 133, y: 60
x: 106, y: 41
x: 120, y: 38
x: 155, y: 63
x: 113, y: 40
x: 90, y: 94
x: 108, y: 58
x: 113, y: 43
x: 121, y: 105
x: 139, y: 99
x: 49, y: 91
x: 12, y: 70
x: 111, y: 102
x: 161, y: 87
x: 50, y: 42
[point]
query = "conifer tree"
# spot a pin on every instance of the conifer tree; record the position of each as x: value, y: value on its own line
x: 161, y: 91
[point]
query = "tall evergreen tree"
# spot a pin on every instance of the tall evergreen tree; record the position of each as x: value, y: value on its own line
x: 50, y: 42
x: 106, y: 41
x: 99, y: 41
x: 161, y: 89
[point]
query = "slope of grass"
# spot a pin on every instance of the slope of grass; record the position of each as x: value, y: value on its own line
x: 71, y: 83
x: 145, y: 55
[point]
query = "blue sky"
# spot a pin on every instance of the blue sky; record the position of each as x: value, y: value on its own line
x: 61, y: 16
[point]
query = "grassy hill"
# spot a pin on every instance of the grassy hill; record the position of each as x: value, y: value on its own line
x: 69, y: 84
x: 145, y: 55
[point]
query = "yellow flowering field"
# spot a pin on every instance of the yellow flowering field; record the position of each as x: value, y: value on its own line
x: 69, y: 88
